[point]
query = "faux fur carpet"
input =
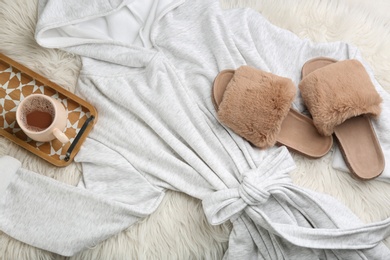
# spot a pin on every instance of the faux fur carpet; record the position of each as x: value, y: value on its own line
x: 178, y: 229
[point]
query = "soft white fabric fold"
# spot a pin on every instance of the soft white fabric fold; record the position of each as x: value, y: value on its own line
x: 253, y: 190
x: 271, y: 179
x: 9, y: 167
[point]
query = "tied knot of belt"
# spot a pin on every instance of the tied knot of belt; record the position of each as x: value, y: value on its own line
x: 254, y: 189
x: 321, y: 231
x: 251, y: 194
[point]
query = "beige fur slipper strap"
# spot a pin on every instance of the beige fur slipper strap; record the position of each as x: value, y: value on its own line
x: 337, y: 92
x: 257, y: 106
x: 254, y: 103
x: 341, y: 98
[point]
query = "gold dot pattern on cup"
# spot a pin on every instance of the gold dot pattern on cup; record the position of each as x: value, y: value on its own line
x: 15, y: 86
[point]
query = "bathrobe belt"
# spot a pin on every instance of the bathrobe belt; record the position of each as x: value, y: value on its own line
x: 271, y: 178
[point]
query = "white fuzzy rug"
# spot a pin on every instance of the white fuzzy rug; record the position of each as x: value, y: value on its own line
x: 178, y: 229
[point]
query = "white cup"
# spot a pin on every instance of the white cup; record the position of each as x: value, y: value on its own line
x: 42, y: 118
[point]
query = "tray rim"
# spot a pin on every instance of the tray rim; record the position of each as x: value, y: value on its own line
x: 48, y: 83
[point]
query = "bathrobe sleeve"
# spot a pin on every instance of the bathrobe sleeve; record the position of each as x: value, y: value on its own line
x: 64, y: 219
x: 280, y: 51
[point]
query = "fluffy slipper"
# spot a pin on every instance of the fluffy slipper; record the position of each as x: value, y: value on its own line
x: 341, y: 99
x: 257, y: 106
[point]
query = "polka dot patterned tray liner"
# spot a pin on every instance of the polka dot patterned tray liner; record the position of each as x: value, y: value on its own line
x: 16, y: 83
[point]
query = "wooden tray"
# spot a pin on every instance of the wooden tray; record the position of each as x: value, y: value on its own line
x: 17, y: 82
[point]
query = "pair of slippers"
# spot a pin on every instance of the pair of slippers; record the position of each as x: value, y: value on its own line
x: 338, y: 94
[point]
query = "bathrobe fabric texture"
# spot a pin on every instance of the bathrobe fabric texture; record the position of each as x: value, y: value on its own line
x: 148, y: 68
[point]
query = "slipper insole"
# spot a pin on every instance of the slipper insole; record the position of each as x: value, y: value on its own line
x: 360, y: 147
x: 315, y: 64
x: 356, y: 137
x: 219, y: 86
x: 297, y: 132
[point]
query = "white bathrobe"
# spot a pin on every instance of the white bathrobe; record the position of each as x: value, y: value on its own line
x: 148, y: 67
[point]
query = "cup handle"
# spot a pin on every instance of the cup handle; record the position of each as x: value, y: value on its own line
x: 60, y: 136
